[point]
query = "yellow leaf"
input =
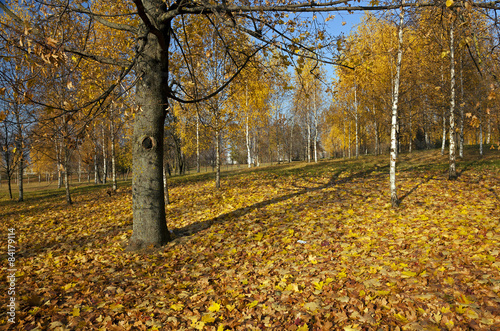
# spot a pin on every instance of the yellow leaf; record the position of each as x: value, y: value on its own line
x: 230, y: 307
x: 318, y: 286
x: 449, y: 3
x: 220, y: 327
x: 253, y: 304
x: 408, y: 274
x: 116, y: 307
x: 401, y: 318
x: 198, y: 325
x: 177, y: 306
x: 258, y: 236
x: 450, y: 324
x: 460, y: 309
x: 303, y: 328
x: 470, y: 313
x: 381, y: 293
x: 207, y: 318
x: 214, y: 307
x: 312, y: 306
x: 76, y: 312
x: 354, y: 327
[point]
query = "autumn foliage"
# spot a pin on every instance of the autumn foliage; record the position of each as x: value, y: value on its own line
x: 289, y: 247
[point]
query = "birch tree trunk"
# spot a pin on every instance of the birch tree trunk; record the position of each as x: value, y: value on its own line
x: 315, y: 128
x: 443, y: 144
x: 480, y: 133
x: 356, y: 119
x: 394, y: 117
x: 197, y: 144
x: 452, y: 170
x: 461, y: 143
x: 104, y: 156
x: 113, y: 151
x: 308, y: 141
x: 59, y: 165
x: 20, y: 171
x: 217, y: 159
x: 248, y: 143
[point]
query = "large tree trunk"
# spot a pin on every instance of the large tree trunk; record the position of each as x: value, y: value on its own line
x: 452, y: 168
x: 394, y: 117
x: 148, y: 202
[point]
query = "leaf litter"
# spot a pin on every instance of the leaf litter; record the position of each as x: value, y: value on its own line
x: 311, y: 248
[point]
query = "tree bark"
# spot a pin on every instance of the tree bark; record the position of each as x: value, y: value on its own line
x: 217, y: 159
x: 113, y: 151
x: 197, y: 143
x: 452, y: 168
x: 20, y: 173
x: 356, y: 120
x: 394, y: 117
x: 104, y: 155
x: 148, y: 201
x: 315, y: 128
x: 461, y: 143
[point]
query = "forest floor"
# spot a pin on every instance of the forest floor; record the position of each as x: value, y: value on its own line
x: 287, y: 247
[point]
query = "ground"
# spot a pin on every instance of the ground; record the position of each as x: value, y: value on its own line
x: 289, y: 247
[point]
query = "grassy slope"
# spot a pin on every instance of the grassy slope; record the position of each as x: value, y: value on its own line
x: 284, y: 247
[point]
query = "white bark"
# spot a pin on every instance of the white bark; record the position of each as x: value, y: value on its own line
x: 394, y: 117
x: 461, y: 144
x: 452, y: 170
x: 356, y: 121
x: 315, y: 128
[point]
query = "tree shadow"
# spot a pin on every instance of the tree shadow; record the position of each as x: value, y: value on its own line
x: 196, y: 227
x: 413, y: 189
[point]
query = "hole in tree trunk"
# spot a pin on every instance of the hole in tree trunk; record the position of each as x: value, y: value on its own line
x: 148, y: 143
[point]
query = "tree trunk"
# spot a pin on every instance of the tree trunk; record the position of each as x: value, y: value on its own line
x: 148, y: 201
x: 66, y: 174
x: 59, y: 165
x: 452, y: 170
x: 20, y: 173
x: 480, y: 133
x: 308, y: 141
x: 113, y: 151
x: 104, y: 156
x: 461, y: 143
x: 394, y: 117
x: 356, y: 120
x: 344, y: 146
x: 315, y: 128
x: 79, y: 167
x: 247, y: 138
x: 443, y: 144
x: 217, y: 159
x: 197, y: 144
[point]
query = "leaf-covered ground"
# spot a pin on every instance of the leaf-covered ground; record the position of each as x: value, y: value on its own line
x: 291, y: 247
